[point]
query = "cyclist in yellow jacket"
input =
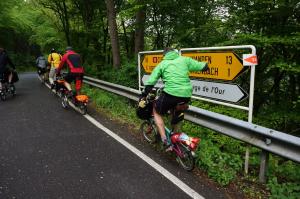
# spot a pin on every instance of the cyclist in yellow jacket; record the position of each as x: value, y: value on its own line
x: 54, y: 59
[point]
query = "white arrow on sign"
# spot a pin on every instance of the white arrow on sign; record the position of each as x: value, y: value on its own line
x: 249, y: 59
x: 225, y: 92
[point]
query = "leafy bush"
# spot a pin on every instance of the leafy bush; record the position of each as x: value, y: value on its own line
x: 127, y: 75
x: 220, y: 166
x: 283, y: 190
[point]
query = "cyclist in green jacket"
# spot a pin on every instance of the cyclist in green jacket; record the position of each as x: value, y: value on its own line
x: 174, y: 71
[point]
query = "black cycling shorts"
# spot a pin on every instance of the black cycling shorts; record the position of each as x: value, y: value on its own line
x: 167, y: 102
x: 4, y: 75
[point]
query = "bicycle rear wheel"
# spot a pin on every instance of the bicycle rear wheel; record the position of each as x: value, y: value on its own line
x: 185, y: 159
x: 149, y: 132
x: 82, y: 109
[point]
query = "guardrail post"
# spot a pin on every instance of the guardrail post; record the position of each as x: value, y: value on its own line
x: 246, y: 167
x: 264, y: 160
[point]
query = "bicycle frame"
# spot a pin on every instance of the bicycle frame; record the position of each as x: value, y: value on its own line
x: 180, y: 138
x: 183, y: 146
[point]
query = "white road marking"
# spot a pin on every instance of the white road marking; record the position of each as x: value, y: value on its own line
x: 176, y: 181
x: 147, y: 159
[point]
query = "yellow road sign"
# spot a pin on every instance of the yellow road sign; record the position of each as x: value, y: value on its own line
x: 222, y: 65
x: 150, y: 61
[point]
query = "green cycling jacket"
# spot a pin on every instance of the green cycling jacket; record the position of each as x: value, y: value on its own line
x: 174, y: 71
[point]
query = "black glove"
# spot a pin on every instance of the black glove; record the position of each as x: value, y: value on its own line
x: 205, y: 68
x: 147, y: 90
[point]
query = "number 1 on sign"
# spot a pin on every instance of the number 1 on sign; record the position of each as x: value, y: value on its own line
x: 228, y: 61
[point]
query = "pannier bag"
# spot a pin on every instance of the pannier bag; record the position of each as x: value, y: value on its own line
x: 144, y: 110
x: 15, y: 77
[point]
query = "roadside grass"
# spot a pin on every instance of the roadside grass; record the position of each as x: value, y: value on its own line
x: 221, y: 157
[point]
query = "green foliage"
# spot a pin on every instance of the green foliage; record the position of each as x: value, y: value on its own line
x: 126, y: 75
x: 25, y: 31
x: 285, y: 169
x: 220, y: 166
x: 117, y: 107
x: 283, y: 190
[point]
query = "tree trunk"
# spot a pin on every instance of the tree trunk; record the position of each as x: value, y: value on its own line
x: 105, y: 35
x: 113, y: 33
x: 140, y: 30
x: 67, y: 24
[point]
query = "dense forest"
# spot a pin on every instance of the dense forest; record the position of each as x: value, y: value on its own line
x: 109, y: 34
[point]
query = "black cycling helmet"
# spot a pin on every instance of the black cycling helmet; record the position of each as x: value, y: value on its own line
x: 52, y: 50
x: 169, y: 49
x: 69, y: 48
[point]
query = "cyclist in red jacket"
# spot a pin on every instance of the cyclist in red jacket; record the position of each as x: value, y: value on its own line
x: 75, y: 74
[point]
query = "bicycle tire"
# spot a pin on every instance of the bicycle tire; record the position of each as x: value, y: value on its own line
x: 83, y: 109
x: 3, y: 96
x: 186, y: 161
x: 64, y: 101
x: 149, y: 132
x: 13, y: 91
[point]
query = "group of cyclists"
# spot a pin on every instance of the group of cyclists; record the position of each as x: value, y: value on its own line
x: 51, y: 68
x: 173, y: 70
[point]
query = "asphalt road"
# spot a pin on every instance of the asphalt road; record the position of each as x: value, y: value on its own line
x: 49, y: 152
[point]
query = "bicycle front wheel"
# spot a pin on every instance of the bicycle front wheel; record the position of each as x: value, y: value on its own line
x: 149, y: 132
x: 185, y: 158
x: 64, y: 101
x: 3, y: 96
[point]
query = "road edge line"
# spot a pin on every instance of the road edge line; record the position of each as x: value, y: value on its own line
x: 176, y: 181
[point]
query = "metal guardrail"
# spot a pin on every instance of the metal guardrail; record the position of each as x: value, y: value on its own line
x: 276, y: 142
x: 268, y: 140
